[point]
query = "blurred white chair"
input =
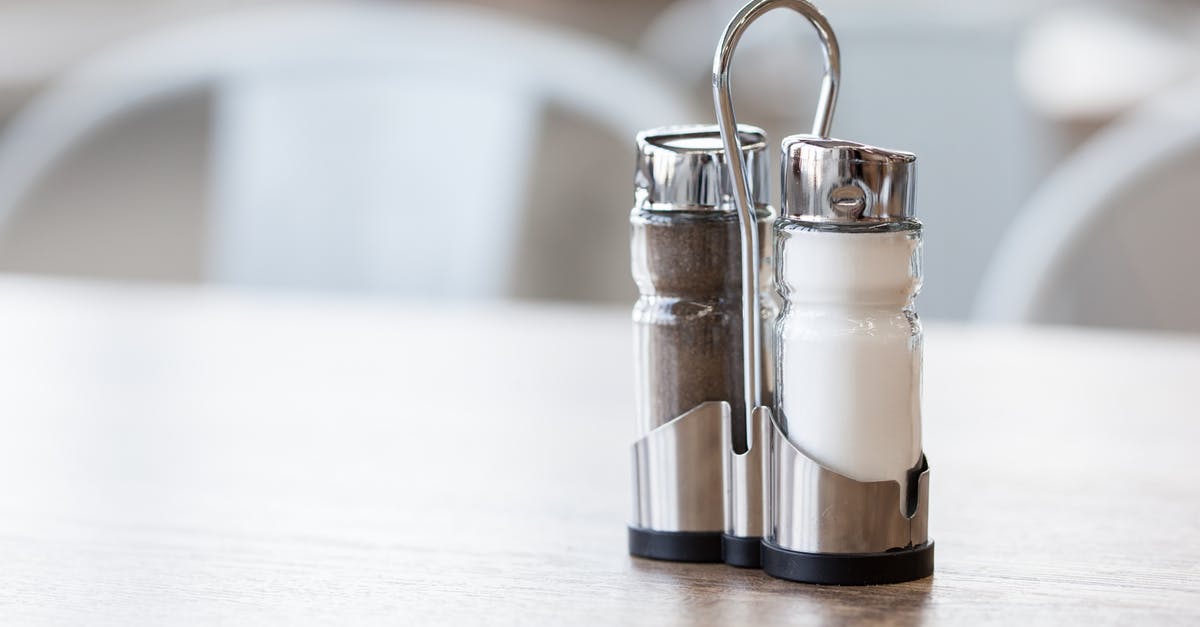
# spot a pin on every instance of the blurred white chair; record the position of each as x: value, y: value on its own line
x: 1092, y: 61
x: 359, y: 146
x: 935, y: 78
x: 1111, y: 237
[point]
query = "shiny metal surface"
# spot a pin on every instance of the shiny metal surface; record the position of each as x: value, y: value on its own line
x: 677, y: 472
x: 842, y: 182
x: 741, y: 176
x: 815, y: 510
x: 683, y: 168
x: 745, y: 476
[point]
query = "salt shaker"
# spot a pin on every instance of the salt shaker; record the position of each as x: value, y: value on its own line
x: 848, y: 483
x: 685, y: 244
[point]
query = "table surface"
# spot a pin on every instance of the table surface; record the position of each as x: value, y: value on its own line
x: 181, y: 455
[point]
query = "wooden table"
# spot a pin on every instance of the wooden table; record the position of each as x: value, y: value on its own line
x: 172, y: 455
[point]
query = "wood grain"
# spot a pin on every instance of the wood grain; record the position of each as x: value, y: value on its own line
x: 178, y: 456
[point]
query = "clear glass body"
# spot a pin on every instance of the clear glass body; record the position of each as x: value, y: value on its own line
x: 849, y: 346
x: 687, y: 320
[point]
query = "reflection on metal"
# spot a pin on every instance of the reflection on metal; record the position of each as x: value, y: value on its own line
x: 677, y: 472
x: 682, y: 168
x: 837, y: 182
x: 745, y: 476
x: 816, y: 510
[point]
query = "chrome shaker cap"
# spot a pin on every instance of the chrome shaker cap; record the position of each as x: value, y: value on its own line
x: 683, y: 168
x: 843, y: 182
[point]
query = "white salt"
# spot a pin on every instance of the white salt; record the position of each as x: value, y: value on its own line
x: 850, y: 351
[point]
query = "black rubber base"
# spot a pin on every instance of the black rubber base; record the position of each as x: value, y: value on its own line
x: 741, y: 551
x: 676, y: 546
x: 848, y: 569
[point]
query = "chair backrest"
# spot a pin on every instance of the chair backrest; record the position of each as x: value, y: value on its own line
x: 1108, y: 239
x: 361, y: 146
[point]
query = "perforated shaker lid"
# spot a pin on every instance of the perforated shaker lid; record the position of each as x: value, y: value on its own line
x: 844, y: 182
x: 683, y: 168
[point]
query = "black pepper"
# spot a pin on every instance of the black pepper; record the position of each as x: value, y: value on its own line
x: 688, y: 321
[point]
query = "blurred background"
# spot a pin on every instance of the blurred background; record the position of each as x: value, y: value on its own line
x: 484, y: 149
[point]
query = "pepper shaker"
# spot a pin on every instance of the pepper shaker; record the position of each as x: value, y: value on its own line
x: 684, y: 236
x: 848, y: 483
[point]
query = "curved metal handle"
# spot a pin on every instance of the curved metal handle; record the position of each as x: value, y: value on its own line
x: 723, y: 101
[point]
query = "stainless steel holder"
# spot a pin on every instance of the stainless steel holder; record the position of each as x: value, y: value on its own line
x: 745, y: 471
x: 745, y: 481
x: 676, y: 487
x: 828, y: 528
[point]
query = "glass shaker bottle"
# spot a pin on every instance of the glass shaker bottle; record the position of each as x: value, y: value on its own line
x: 848, y: 483
x: 849, y: 480
x: 688, y: 334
